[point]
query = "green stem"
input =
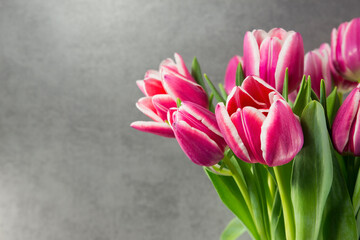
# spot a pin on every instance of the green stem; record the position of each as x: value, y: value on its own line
x: 284, y: 187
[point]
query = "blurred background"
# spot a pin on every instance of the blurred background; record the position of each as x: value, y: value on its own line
x: 70, y: 165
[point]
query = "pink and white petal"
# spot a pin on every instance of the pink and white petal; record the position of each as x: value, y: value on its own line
x: 152, y: 74
x: 141, y: 86
x: 201, y: 114
x: 291, y: 56
x: 351, y: 48
x: 162, y: 103
x: 313, y: 66
x: 158, y: 128
x: 153, y: 87
x: 269, y: 53
x: 179, y: 87
x: 279, y: 33
x: 258, y: 89
x: 252, y: 120
x: 251, y: 55
x: 344, y: 120
x: 259, y: 35
x: 340, y: 44
x: 182, y: 69
x: 230, y: 74
x: 281, y: 135
x: 230, y: 133
x: 199, y: 148
x: 239, y: 98
x: 355, y: 135
x: 146, y: 106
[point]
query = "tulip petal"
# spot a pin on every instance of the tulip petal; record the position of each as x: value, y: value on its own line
x: 351, y: 49
x: 269, y: 53
x: 162, y: 103
x: 230, y: 74
x: 158, y: 128
x: 344, y: 120
x: 141, y: 86
x: 251, y: 55
x: 279, y: 33
x: 230, y: 133
x: 179, y: 87
x: 182, y: 69
x: 281, y: 135
x: 152, y: 74
x: 153, y: 87
x: 291, y: 56
x: 248, y: 123
x: 239, y: 98
x: 258, y: 89
x: 313, y: 67
x: 199, y: 148
x: 146, y: 106
x: 355, y: 135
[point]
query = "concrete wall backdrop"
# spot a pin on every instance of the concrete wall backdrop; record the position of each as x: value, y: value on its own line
x: 70, y: 165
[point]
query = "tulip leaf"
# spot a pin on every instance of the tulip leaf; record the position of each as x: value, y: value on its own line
x: 239, y: 75
x: 217, y: 95
x: 285, y: 91
x: 231, y: 196
x: 323, y: 101
x: 223, y: 91
x: 233, y: 230
x: 196, y: 73
x: 178, y: 102
x: 211, y: 105
x: 303, y: 97
x: 339, y: 218
x: 332, y: 105
x: 277, y: 219
x: 312, y: 173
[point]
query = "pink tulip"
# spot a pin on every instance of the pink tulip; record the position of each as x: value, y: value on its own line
x: 161, y: 89
x: 198, y: 134
x: 318, y: 67
x: 230, y: 74
x: 267, y: 55
x: 345, y: 49
x: 346, y: 126
x: 259, y: 125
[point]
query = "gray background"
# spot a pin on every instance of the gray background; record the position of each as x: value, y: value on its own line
x: 70, y: 165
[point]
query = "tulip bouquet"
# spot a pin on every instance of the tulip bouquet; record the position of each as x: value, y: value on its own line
x: 280, y: 146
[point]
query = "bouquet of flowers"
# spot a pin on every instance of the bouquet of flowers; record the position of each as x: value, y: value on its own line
x: 280, y: 146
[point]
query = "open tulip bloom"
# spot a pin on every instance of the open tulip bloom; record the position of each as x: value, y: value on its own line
x: 282, y: 149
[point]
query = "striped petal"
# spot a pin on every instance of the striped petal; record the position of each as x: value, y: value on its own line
x: 158, y: 128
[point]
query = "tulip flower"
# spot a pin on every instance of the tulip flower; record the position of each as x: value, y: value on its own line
x: 346, y: 126
x: 259, y: 125
x: 267, y: 55
x: 230, y: 74
x: 345, y: 49
x: 318, y: 67
x: 197, y: 133
x: 161, y: 89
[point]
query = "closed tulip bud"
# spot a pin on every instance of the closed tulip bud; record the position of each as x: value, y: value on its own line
x: 318, y: 67
x: 259, y: 125
x: 267, y: 55
x: 230, y: 74
x: 345, y: 49
x: 161, y: 89
x: 197, y: 133
x: 346, y: 126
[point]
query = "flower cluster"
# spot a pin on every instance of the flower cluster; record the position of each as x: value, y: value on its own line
x: 269, y: 143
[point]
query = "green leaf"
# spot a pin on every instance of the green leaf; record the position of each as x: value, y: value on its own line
x: 332, y: 105
x: 277, y: 220
x: 231, y: 196
x: 303, y: 97
x: 285, y: 91
x: 323, y: 101
x: 312, y: 173
x: 211, y: 105
x: 216, y: 93
x: 233, y: 230
x: 339, y: 218
x: 178, y: 102
x: 222, y: 91
x: 196, y: 73
x: 239, y: 75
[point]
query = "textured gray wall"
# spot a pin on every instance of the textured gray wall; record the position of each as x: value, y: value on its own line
x: 70, y: 165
